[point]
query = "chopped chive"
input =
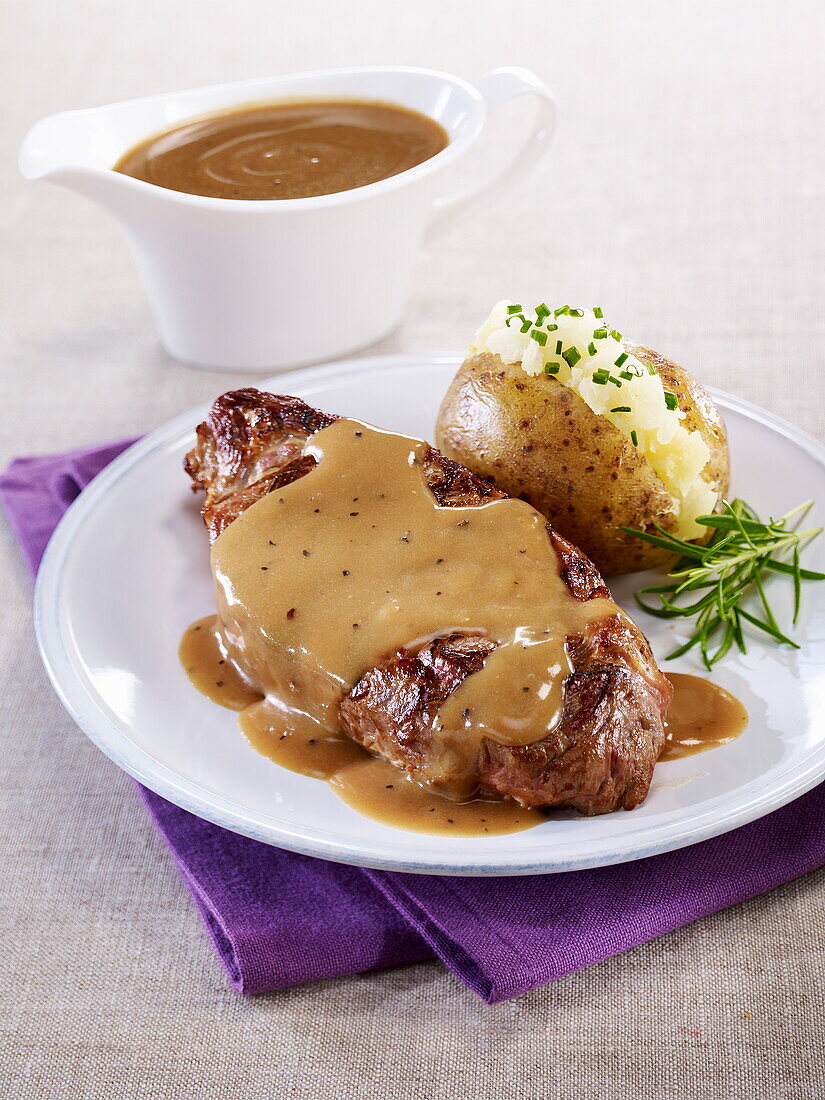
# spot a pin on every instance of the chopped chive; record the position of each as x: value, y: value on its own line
x: 558, y: 347
x: 571, y: 356
x: 615, y: 381
x: 671, y: 400
x: 551, y: 368
x: 600, y: 377
x: 616, y: 335
x: 542, y: 311
x: 620, y: 362
x: 597, y: 311
x: 514, y: 317
x: 526, y: 326
x: 552, y: 327
x: 591, y: 347
x: 577, y: 313
x: 514, y: 309
x: 627, y: 375
x: 621, y: 409
x: 562, y: 309
x: 634, y: 439
x: 539, y: 337
x: 600, y: 334
x: 650, y: 369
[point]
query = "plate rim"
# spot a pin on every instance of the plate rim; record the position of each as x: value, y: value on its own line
x: 141, y: 766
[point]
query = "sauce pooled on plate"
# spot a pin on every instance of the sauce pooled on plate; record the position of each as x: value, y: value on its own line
x: 701, y: 716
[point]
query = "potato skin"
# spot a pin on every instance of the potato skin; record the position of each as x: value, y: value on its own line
x: 538, y: 440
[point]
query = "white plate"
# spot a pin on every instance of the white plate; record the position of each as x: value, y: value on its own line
x: 127, y: 571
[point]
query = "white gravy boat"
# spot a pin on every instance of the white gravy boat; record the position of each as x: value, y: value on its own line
x: 267, y: 285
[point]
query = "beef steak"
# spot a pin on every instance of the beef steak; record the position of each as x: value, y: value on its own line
x: 600, y: 756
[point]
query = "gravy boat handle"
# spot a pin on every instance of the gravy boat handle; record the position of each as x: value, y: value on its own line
x: 498, y: 87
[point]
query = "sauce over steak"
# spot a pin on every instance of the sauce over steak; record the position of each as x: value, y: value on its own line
x: 366, y: 583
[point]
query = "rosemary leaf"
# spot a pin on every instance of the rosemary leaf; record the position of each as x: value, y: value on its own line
x: 724, y: 572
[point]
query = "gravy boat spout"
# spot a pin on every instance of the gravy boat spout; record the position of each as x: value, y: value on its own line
x: 74, y: 150
x: 277, y: 283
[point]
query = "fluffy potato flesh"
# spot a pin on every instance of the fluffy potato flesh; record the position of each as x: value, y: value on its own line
x: 537, y: 439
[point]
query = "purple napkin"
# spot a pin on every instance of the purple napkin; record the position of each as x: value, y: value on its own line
x: 278, y: 919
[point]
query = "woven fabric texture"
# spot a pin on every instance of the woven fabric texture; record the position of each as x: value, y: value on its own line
x: 686, y: 194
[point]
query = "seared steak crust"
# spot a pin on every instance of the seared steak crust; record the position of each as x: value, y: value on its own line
x: 252, y: 443
x: 600, y: 756
x: 246, y: 448
x: 392, y: 709
x: 578, y: 572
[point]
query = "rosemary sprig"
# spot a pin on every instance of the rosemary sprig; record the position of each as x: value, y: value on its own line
x: 710, y: 582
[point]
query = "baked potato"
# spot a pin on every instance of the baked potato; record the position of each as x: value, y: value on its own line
x: 590, y: 472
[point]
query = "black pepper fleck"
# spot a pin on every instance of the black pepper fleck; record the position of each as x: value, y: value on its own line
x: 219, y: 683
x: 305, y: 553
x: 353, y: 513
x: 291, y: 613
x: 345, y: 572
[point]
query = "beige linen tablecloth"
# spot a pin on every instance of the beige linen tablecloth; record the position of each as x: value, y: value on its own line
x: 685, y: 193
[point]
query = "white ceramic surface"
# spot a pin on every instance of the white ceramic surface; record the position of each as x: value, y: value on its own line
x: 127, y: 571
x: 268, y: 285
